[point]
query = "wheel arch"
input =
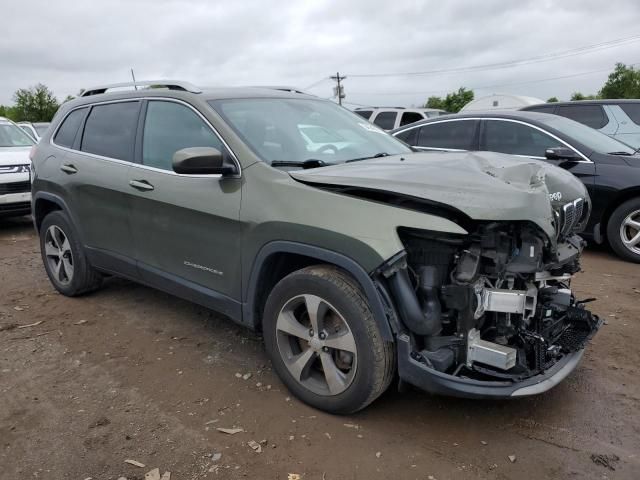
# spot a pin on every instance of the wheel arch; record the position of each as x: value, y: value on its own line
x: 277, y: 259
x: 44, y: 204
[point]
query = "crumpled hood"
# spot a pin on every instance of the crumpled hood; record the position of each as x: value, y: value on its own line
x: 483, y: 185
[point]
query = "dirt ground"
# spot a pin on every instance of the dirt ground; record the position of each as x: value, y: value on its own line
x: 132, y: 373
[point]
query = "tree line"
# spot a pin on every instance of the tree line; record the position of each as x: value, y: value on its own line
x: 33, y: 104
x: 623, y: 82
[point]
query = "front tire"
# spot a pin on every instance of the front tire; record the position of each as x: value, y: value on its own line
x: 324, y: 342
x: 64, y: 259
x: 623, y: 230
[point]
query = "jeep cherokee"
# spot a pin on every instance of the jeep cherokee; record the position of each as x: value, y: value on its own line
x: 357, y: 259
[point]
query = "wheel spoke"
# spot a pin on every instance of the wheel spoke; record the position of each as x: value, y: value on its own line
x: 335, y: 378
x: 344, y: 342
x: 288, y: 323
x: 632, y: 242
x: 299, y: 365
x: 52, y: 236
x: 66, y: 247
x: 58, y: 270
x: 316, y: 309
x: 67, y: 267
x: 630, y: 222
x: 50, y: 250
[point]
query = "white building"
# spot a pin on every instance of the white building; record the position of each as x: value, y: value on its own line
x: 499, y: 102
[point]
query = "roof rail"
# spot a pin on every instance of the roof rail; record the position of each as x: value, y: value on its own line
x: 170, y: 84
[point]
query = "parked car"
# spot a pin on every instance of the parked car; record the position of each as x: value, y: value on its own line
x: 389, y: 118
x: 15, y: 170
x: 609, y: 168
x: 619, y: 119
x: 450, y: 269
x: 35, y: 130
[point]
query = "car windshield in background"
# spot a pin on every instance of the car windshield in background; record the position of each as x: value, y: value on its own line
x: 13, y: 136
x: 299, y: 130
x: 593, y: 139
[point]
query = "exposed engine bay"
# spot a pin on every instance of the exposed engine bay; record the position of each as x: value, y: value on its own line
x: 493, y: 305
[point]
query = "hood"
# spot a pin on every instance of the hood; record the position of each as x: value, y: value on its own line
x: 481, y: 185
x: 14, y: 156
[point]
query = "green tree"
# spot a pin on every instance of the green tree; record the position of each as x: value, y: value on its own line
x: 435, y: 102
x: 623, y: 82
x: 35, y: 104
x: 553, y: 100
x: 580, y: 96
x: 453, y: 102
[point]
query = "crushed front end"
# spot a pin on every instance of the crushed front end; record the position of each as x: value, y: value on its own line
x: 490, y: 314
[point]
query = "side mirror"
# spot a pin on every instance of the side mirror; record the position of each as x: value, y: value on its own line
x: 201, y: 161
x: 562, y: 153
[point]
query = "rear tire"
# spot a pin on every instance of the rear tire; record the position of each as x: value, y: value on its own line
x: 623, y: 230
x: 334, y: 359
x: 64, y: 258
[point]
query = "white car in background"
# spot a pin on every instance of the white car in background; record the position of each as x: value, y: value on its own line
x: 36, y: 130
x: 15, y: 170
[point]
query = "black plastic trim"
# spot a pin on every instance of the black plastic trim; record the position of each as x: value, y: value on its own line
x: 322, y: 255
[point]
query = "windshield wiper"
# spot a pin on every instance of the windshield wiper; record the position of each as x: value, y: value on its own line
x: 626, y: 154
x: 377, y: 155
x: 310, y: 163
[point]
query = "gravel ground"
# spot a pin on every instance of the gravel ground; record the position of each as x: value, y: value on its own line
x: 132, y: 373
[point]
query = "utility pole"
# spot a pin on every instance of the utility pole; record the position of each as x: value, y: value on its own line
x: 339, y: 90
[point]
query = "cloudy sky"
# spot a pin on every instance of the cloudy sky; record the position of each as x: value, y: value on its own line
x: 69, y: 45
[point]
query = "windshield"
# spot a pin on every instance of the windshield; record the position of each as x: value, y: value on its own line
x: 590, y: 138
x: 13, y: 136
x: 297, y: 130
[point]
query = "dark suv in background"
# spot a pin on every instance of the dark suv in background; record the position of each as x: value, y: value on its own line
x: 619, y: 119
x: 610, y: 169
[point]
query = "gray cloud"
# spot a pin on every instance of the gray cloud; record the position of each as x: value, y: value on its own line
x: 71, y: 45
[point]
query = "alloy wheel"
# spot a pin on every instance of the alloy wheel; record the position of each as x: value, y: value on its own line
x: 630, y: 232
x: 316, y: 345
x: 58, y: 254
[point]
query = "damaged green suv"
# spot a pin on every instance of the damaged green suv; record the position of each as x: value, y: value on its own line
x: 357, y: 258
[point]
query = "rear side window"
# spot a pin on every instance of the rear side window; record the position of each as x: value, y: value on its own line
x: 456, y: 135
x: 110, y: 130
x: 410, y: 117
x: 66, y: 134
x: 632, y: 110
x: 364, y: 113
x: 170, y: 127
x: 590, y: 115
x: 386, y: 120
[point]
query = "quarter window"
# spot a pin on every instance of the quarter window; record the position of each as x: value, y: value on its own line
x: 110, y: 130
x: 66, y: 134
x: 386, y: 120
x: 591, y: 115
x: 170, y: 127
x: 409, y: 136
x: 516, y: 139
x: 457, y: 135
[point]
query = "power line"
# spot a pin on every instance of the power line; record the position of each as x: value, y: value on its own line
x: 484, y: 87
x: 314, y: 84
x: 513, y: 63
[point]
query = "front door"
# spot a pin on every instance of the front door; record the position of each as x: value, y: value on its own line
x: 524, y: 140
x: 186, y: 227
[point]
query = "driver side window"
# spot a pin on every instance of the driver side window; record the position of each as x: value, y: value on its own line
x: 169, y: 127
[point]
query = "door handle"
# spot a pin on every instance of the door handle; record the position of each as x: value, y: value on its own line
x: 68, y: 168
x: 142, y: 185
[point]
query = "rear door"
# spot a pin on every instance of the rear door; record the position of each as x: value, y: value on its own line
x: 186, y: 227
x: 93, y: 172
